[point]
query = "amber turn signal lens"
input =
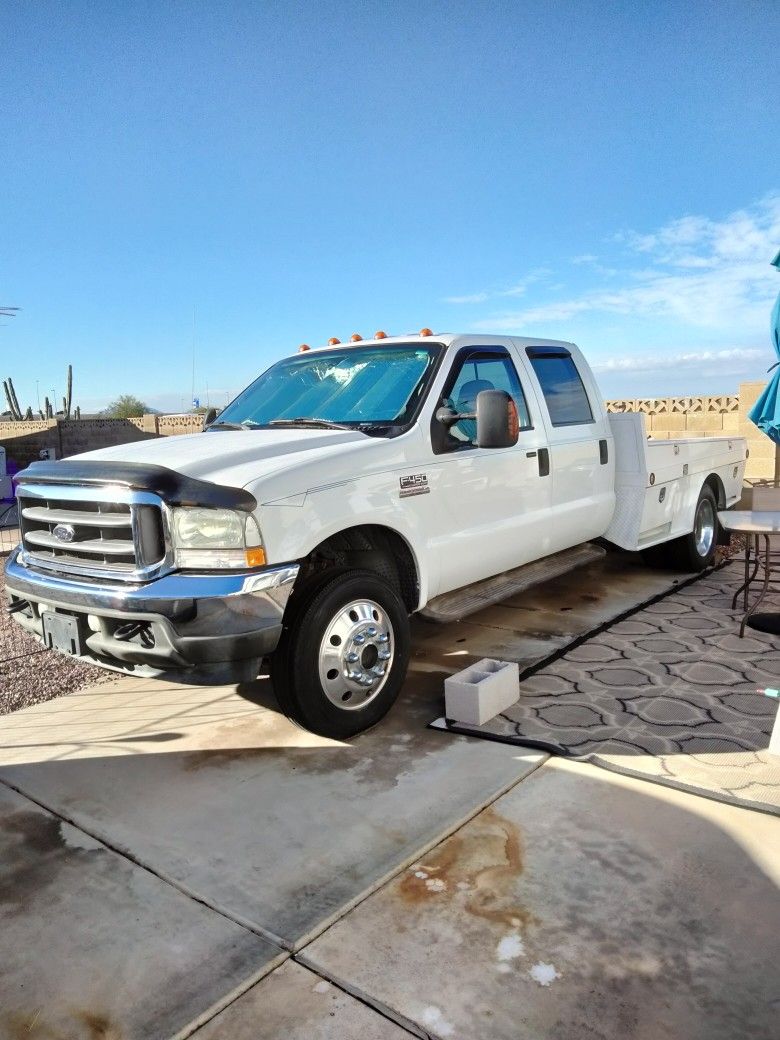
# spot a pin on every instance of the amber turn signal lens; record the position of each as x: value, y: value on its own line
x: 380, y: 335
x: 255, y: 557
x: 302, y: 347
x: 355, y: 337
x: 333, y: 341
x: 513, y: 420
x: 425, y: 332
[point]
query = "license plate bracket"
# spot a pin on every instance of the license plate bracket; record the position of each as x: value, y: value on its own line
x: 62, y: 632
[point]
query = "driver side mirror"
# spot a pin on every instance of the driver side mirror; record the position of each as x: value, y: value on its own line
x: 209, y: 417
x: 498, y: 424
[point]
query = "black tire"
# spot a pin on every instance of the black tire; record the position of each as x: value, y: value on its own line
x: 311, y: 694
x: 657, y: 556
x: 690, y: 553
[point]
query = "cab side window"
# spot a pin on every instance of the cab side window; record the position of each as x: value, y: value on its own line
x: 562, y: 386
x: 477, y: 371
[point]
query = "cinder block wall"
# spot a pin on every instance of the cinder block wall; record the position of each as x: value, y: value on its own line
x: 701, y: 416
x: 24, y: 441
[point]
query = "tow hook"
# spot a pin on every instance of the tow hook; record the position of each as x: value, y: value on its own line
x: 131, y: 629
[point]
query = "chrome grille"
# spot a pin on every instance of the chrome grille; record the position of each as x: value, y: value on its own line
x: 92, y: 531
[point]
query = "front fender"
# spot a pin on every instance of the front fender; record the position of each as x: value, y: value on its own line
x: 293, y: 528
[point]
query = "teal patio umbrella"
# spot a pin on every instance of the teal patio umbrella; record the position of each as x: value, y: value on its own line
x: 765, y: 413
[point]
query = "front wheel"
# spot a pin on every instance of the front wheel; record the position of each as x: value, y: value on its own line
x: 342, y: 659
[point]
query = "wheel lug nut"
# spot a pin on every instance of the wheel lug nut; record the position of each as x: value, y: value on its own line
x: 371, y: 631
x: 384, y: 655
x: 360, y: 640
x: 383, y: 637
x: 352, y: 657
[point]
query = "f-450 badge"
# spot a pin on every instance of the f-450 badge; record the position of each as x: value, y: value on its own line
x: 414, y: 484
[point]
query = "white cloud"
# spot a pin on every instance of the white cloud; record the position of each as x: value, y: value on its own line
x: 730, y: 361
x: 702, y: 274
x: 518, y: 289
x: 479, y: 297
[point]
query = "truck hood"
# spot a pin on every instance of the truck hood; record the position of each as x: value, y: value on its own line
x: 237, y: 458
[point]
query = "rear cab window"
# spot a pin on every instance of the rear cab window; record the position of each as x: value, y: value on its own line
x: 562, y: 386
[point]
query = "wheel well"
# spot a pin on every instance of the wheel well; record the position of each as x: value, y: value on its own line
x: 371, y: 547
x: 715, y: 484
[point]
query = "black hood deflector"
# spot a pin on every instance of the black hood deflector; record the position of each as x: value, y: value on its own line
x: 174, y: 488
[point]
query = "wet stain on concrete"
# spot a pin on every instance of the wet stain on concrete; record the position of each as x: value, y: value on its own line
x: 480, y: 867
x: 30, y: 845
x: 33, y: 850
x: 99, y: 1026
x: 80, y: 1025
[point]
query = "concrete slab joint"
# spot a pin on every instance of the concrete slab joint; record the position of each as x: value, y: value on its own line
x: 482, y: 691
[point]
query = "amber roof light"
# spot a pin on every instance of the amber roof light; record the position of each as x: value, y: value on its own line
x: 302, y: 347
x: 380, y: 335
x: 333, y: 342
x: 355, y: 337
x: 425, y: 332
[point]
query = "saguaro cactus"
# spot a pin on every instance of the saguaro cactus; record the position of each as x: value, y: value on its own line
x: 17, y: 409
x: 10, y: 396
x: 48, y: 411
x: 67, y: 401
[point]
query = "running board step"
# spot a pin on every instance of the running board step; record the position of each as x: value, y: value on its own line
x: 452, y: 606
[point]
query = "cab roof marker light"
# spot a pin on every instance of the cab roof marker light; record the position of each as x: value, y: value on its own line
x: 426, y: 332
x: 355, y: 337
x: 333, y: 341
x: 303, y: 347
x: 380, y: 335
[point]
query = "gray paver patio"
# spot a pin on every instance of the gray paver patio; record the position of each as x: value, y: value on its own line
x: 672, y: 694
x: 580, y: 904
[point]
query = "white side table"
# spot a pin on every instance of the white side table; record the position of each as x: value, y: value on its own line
x: 760, y: 525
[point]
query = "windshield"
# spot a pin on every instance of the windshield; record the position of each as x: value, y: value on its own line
x: 352, y: 386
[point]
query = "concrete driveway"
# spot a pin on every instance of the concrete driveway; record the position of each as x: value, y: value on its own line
x: 180, y: 857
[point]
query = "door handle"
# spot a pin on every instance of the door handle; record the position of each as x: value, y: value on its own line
x: 530, y: 454
x: 544, y: 462
x: 603, y: 453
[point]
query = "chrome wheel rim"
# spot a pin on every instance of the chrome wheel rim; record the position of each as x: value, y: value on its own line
x: 356, y: 654
x: 704, y: 535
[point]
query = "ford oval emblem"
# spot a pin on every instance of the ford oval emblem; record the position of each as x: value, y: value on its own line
x: 64, y: 532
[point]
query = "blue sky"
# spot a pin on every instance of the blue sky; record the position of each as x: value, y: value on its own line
x: 606, y: 173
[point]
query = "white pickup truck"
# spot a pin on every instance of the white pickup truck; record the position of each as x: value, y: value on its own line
x: 345, y: 489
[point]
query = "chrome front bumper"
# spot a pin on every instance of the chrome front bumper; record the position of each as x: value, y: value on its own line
x: 212, y: 627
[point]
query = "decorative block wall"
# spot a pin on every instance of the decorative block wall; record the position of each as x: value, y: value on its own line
x: 669, y: 418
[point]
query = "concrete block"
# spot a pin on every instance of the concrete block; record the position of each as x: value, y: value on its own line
x: 482, y: 691
x: 749, y: 393
x: 758, y: 468
x: 731, y: 422
x: 705, y: 421
x: 669, y: 422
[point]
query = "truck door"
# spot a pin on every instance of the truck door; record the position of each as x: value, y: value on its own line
x: 494, y: 503
x: 581, y: 455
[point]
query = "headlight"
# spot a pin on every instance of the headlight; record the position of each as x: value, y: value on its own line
x: 215, y: 539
